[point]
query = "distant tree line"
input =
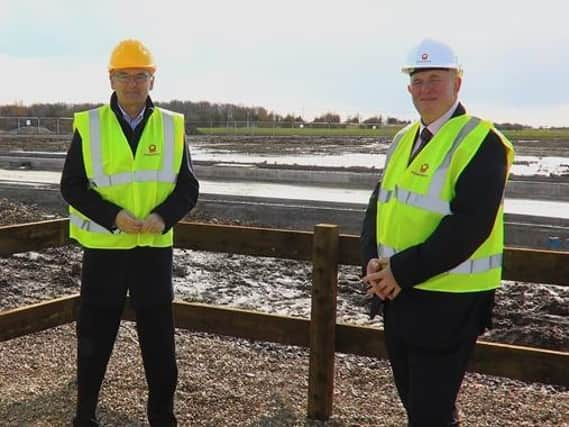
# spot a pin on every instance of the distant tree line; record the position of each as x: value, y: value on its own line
x: 210, y: 114
x: 511, y: 126
x: 199, y: 114
x: 58, y: 109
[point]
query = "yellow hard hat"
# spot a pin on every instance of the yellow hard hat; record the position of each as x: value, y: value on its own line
x: 131, y: 53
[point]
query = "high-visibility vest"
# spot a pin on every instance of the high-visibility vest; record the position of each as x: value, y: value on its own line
x: 413, y: 198
x: 136, y: 183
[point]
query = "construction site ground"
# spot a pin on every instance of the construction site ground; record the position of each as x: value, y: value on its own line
x: 233, y: 382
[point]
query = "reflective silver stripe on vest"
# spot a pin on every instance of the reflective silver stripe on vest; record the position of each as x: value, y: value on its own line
x: 95, y: 137
x: 439, y: 176
x: 384, y: 195
x: 169, y: 143
x: 479, y: 265
x: 392, y: 148
x: 426, y: 202
x: 432, y: 200
x: 87, y: 225
x: 139, y: 176
x: 386, y: 251
x: 166, y: 174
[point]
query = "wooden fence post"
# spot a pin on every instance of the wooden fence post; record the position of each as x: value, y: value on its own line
x: 323, y: 321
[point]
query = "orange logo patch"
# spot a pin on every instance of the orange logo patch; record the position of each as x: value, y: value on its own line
x: 152, y: 150
x: 422, y: 171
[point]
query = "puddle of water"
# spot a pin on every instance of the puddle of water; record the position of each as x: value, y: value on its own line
x: 330, y: 160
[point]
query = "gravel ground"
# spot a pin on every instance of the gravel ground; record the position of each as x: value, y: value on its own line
x: 231, y: 382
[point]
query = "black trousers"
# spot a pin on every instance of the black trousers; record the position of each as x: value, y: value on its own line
x: 97, y: 329
x: 430, y: 337
x: 107, y: 277
x: 428, y: 379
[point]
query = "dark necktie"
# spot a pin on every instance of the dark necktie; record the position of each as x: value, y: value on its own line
x: 426, y: 136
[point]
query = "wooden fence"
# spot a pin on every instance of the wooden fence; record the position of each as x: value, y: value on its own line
x: 326, y: 248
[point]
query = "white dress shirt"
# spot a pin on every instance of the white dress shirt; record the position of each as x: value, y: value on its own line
x: 433, y: 127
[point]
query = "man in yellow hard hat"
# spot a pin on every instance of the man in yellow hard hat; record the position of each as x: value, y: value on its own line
x: 128, y: 179
x: 432, y: 238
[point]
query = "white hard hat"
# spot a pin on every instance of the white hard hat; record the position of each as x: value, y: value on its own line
x: 431, y: 54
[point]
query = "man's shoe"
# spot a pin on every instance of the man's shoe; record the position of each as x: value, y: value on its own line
x: 456, y: 417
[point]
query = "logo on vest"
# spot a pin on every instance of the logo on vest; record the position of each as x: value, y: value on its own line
x: 423, y: 169
x: 152, y: 150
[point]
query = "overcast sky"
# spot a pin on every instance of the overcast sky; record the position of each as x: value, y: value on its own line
x: 298, y: 56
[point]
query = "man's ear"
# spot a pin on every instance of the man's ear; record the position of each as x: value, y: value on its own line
x: 457, y: 83
x: 111, y: 81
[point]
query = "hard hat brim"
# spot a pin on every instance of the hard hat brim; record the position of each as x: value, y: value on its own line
x: 411, y: 69
x: 152, y: 69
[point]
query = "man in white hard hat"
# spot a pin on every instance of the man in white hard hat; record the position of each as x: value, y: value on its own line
x: 432, y: 238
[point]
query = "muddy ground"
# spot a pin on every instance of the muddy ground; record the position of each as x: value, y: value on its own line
x: 335, y: 144
x: 526, y: 314
x: 11, y: 144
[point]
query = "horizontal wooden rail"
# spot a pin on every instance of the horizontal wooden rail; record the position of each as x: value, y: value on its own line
x: 38, y: 317
x: 539, y: 266
x: 521, y: 363
x: 528, y: 265
x: 237, y: 323
x: 244, y: 240
x: 33, y: 236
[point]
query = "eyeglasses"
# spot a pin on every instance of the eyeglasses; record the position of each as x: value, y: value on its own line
x: 420, y: 84
x: 135, y: 78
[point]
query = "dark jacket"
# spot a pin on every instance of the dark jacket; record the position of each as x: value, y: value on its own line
x: 478, y: 194
x: 75, y: 185
x: 145, y: 272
